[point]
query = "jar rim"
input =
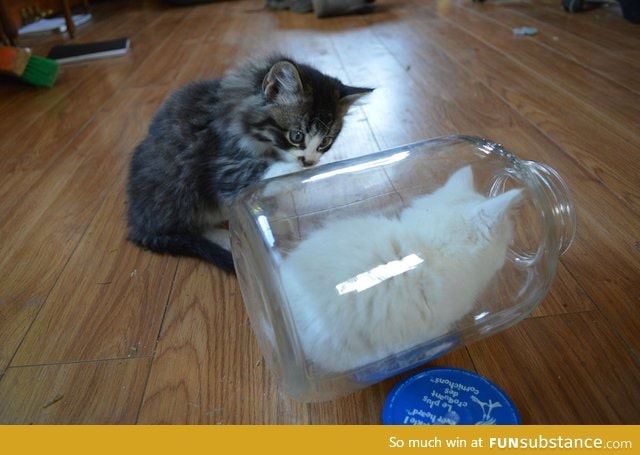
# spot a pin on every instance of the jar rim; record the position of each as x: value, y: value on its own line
x: 553, y: 185
x: 563, y: 209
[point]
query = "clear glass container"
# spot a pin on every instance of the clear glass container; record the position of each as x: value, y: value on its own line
x: 355, y: 271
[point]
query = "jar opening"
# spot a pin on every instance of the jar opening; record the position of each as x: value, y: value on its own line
x: 524, y: 249
x: 557, y: 192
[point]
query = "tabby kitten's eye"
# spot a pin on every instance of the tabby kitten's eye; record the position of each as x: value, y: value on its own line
x: 325, y: 144
x: 296, y: 137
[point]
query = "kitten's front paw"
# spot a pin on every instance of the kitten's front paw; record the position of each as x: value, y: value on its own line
x: 282, y: 185
x: 282, y: 168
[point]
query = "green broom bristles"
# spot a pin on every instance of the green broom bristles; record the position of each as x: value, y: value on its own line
x: 41, y: 71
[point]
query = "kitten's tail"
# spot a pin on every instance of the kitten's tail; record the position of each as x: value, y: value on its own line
x: 189, y: 245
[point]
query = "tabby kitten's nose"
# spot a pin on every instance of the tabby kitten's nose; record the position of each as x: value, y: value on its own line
x: 304, y: 162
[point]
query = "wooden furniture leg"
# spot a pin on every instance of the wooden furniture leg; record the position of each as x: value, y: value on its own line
x: 8, y: 31
x: 66, y: 9
x: 4, y: 37
x: 68, y: 16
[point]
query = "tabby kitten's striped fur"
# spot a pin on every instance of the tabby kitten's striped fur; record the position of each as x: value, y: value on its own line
x: 213, y: 138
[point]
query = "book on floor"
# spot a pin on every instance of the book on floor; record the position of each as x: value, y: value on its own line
x: 66, y: 53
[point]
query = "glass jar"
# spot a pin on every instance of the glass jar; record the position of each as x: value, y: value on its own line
x: 355, y: 271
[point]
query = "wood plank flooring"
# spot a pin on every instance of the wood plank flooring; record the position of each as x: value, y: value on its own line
x: 95, y: 330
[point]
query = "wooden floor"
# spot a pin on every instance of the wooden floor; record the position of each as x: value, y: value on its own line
x: 94, y: 330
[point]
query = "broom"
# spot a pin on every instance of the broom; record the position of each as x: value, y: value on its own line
x: 38, y: 71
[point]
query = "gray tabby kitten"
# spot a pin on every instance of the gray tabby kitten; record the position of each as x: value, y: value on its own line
x: 213, y: 138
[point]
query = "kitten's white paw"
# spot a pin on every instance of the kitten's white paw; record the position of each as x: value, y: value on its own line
x: 276, y: 170
x: 282, y: 168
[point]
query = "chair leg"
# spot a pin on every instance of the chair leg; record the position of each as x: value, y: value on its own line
x: 71, y: 27
x: 4, y: 36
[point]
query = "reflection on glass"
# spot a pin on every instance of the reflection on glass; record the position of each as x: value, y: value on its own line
x: 379, y: 274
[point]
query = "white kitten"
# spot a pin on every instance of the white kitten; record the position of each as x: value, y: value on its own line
x: 362, y: 288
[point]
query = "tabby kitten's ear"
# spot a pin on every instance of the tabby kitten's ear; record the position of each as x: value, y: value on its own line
x: 347, y: 91
x: 349, y: 94
x: 282, y: 83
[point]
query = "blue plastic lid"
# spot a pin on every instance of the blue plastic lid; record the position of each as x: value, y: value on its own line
x: 448, y: 396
